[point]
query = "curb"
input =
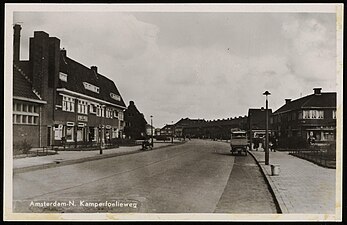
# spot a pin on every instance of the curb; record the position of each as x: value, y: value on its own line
x: 280, y: 204
x: 81, y: 160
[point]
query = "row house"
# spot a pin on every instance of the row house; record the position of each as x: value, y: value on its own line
x: 215, y: 129
x: 312, y: 116
x: 69, y: 102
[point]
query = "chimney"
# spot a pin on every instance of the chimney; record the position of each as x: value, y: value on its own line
x: 131, y: 103
x: 39, y: 58
x: 288, y: 100
x: 63, y: 52
x: 94, y: 68
x: 317, y: 91
x: 16, y: 42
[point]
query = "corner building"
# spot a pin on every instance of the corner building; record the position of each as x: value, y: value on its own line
x: 73, y: 103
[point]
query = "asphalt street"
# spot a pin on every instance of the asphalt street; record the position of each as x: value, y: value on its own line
x: 191, y: 178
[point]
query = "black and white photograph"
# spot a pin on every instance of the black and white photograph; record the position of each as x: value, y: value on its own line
x: 184, y: 112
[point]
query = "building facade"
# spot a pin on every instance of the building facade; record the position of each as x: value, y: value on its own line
x: 77, y: 105
x: 214, y: 129
x: 310, y: 116
x: 135, y: 122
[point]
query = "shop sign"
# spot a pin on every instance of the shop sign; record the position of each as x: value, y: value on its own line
x: 82, y: 118
x: 70, y: 124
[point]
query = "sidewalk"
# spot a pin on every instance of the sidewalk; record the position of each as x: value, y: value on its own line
x: 71, y: 157
x: 301, y: 186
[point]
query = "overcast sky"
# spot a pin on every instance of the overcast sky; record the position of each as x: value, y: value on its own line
x: 198, y: 65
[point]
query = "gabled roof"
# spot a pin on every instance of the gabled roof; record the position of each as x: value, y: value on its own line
x: 323, y: 100
x: 78, y: 73
x: 22, y: 87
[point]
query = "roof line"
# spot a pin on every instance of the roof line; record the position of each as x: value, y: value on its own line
x: 310, y: 97
x: 27, y: 79
x: 29, y: 99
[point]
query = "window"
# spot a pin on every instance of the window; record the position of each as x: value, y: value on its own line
x: 92, y: 109
x: 313, y: 114
x: 63, y: 76
x: 25, y: 113
x: 102, y: 111
x: 120, y: 116
x: 334, y: 114
x: 68, y: 104
x: 109, y: 113
x: 91, y: 87
x: 115, y: 96
x: 306, y: 114
x: 82, y: 107
x: 98, y: 110
x: 115, y: 114
x: 300, y: 115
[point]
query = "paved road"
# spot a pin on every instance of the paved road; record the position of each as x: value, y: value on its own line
x: 189, y: 178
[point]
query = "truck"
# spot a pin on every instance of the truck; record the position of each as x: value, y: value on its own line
x: 239, y: 142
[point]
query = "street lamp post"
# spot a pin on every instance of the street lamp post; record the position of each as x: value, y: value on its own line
x: 266, y: 93
x: 151, y: 131
x: 172, y: 132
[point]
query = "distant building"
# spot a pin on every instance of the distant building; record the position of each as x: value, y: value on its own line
x: 167, y: 130
x: 214, y: 129
x: 182, y: 124
x: 150, y: 130
x: 256, y: 122
x: 135, y: 122
x: 310, y: 116
x: 57, y: 100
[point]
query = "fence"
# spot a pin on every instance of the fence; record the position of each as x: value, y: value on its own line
x: 325, y: 156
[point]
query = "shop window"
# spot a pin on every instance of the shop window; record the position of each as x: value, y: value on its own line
x: 58, y: 132
x: 114, y: 133
x: 79, y: 134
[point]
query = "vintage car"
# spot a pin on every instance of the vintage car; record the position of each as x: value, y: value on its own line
x: 239, y: 142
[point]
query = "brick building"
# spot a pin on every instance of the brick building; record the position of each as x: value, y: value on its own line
x: 69, y: 102
x: 135, y: 122
x: 310, y: 116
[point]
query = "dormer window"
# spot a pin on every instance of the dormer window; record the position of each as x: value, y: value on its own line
x: 115, y: 96
x: 91, y: 87
x: 63, y: 76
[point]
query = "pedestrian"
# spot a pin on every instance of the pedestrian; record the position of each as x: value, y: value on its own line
x: 256, y: 144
